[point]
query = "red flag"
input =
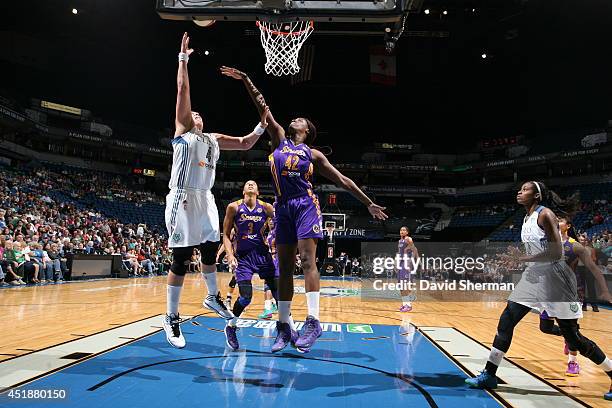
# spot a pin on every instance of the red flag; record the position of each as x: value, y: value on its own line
x: 382, y: 67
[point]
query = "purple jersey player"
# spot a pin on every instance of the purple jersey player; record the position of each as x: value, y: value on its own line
x: 298, y: 215
x: 405, y: 247
x: 270, y: 306
x: 249, y: 219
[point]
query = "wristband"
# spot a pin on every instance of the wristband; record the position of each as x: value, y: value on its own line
x: 183, y: 57
x: 259, y: 130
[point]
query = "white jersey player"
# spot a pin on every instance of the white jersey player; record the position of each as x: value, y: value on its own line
x: 546, y: 284
x: 192, y: 219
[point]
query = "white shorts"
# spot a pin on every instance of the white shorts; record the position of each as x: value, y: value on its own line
x: 550, y: 287
x: 191, y: 218
x: 560, y: 310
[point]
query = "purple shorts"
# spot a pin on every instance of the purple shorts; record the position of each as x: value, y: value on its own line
x: 404, y: 275
x: 298, y: 218
x: 252, y: 262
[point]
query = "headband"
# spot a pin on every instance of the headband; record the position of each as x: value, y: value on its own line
x: 538, y: 187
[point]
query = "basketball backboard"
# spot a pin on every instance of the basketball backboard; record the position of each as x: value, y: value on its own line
x: 364, y: 11
x: 338, y: 220
x: 286, y: 24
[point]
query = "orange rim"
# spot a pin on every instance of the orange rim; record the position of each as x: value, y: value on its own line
x: 274, y: 32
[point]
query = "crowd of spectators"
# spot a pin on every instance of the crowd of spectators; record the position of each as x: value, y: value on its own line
x: 601, y: 245
x: 40, y: 236
x: 43, y: 227
x: 598, y: 212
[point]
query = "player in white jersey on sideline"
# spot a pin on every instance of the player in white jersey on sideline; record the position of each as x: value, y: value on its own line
x: 547, y: 283
x: 192, y: 219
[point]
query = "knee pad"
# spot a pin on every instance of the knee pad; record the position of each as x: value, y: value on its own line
x: 505, y: 326
x: 548, y: 326
x: 208, y: 251
x: 246, y: 293
x: 505, y: 330
x: 577, y: 342
x: 181, y: 258
x: 244, y: 302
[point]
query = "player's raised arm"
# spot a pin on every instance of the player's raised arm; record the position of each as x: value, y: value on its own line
x: 183, y: 120
x: 276, y: 131
x: 245, y: 142
x: 327, y: 170
x: 228, y: 224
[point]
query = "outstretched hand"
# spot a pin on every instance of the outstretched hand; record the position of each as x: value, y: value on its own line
x: 185, y: 45
x: 232, y: 72
x: 377, y: 211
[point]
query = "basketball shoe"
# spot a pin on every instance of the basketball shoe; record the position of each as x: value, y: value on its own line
x: 172, y: 327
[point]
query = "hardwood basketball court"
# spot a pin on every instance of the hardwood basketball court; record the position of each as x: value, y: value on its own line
x: 46, y: 316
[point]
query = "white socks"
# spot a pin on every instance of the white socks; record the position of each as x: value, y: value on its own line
x: 571, y: 358
x: 606, y: 365
x: 211, y: 283
x: 173, y: 296
x: 496, y: 356
x: 284, y: 313
x: 267, y: 304
x: 406, y: 301
x: 312, y: 300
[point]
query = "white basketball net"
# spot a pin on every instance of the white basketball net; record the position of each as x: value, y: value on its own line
x: 282, y: 43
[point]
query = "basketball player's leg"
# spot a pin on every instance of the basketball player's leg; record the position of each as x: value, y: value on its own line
x: 548, y: 326
x: 213, y: 300
x: 209, y: 238
x: 268, y: 303
x: 245, y: 288
x: 308, y: 225
x: 312, y: 327
x: 231, y: 288
x: 510, y: 317
x: 268, y: 271
x: 286, y: 249
x: 576, y: 341
x: 181, y: 257
x: 406, y: 300
x: 404, y: 278
x: 286, y: 264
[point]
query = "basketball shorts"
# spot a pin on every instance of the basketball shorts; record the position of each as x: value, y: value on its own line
x: 298, y: 218
x: 550, y: 287
x: 255, y: 262
x: 191, y: 218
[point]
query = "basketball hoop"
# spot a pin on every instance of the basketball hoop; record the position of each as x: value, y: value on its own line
x: 282, y: 43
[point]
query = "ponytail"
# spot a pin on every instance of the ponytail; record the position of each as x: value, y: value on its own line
x: 562, y: 207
